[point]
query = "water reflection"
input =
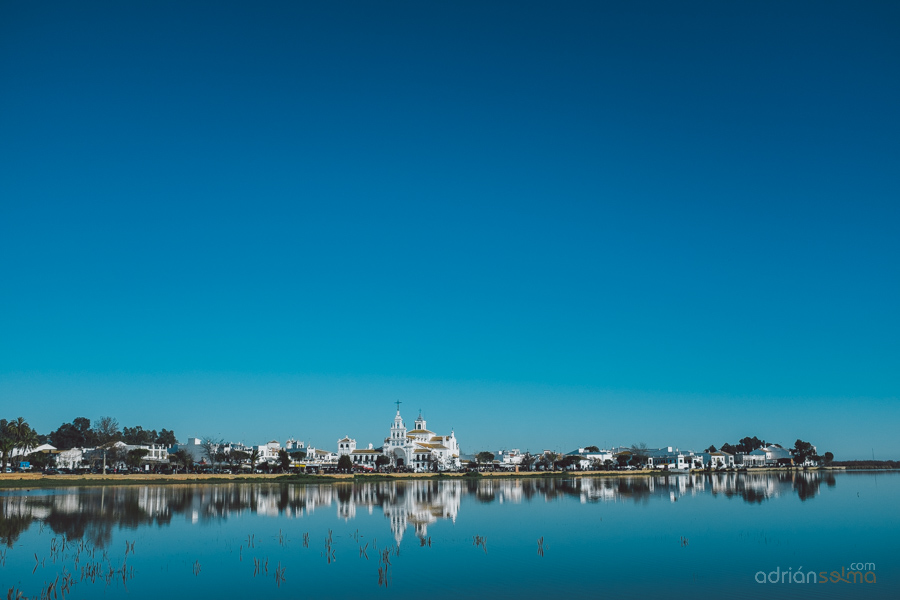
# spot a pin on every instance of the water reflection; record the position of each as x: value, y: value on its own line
x: 93, y: 513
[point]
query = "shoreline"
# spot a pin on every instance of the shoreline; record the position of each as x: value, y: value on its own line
x: 39, y: 480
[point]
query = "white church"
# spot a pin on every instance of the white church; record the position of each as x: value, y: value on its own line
x: 418, y: 449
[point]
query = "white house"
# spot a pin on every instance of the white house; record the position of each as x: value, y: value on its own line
x: 156, y: 453
x: 776, y: 455
x: 756, y: 458
x: 718, y: 459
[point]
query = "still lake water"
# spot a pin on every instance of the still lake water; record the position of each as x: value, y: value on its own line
x: 663, y: 537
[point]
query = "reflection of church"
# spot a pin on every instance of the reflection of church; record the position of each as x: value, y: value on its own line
x: 420, y: 449
x: 420, y: 503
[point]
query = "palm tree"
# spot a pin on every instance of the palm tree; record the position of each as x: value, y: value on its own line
x: 254, y: 459
x: 23, y: 435
x: 7, y: 445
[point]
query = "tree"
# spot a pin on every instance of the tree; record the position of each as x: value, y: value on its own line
x: 184, y: 458
x: 134, y: 457
x: 711, y: 449
x: 608, y: 464
x: 7, y: 445
x: 40, y: 460
x: 528, y: 461
x: 67, y: 436
x: 829, y: 458
x: 802, y: 450
x: 748, y: 444
x: 112, y: 453
x: 107, y: 430
x: 254, y: 458
x: 591, y: 449
x: 83, y: 425
x: 567, y: 461
x: 726, y: 447
x: 166, y: 438
x: 344, y: 463
x: 285, y: 459
x: 639, y: 454
x: 484, y: 457
x: 23, y: 436
x: 547, y: 460
x: 210, y: 449
x: 381, y: 460
x: 7, y: 442
x: 138, y: 436
x: 622, y: 458
x: 238, y: 457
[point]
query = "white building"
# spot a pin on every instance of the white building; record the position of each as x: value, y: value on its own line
x: 156, y: 453
x: 718, y: 459
x: 756, y: 458
x: 70, y: 459
x: 366, y: 457
x: 268, y: 452
x: 776, y: 455
x: 420, y: 449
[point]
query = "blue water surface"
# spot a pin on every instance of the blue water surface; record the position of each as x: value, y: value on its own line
x: 680, y: 536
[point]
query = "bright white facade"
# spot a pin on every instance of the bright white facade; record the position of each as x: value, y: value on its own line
x: 419, y: 448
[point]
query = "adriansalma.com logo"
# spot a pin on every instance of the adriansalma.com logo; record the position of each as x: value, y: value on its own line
x: 855, y: 573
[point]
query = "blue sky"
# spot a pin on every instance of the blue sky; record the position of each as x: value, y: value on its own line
x: 544, y: 225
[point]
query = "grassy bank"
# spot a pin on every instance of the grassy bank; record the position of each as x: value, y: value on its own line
x: 37, y: 480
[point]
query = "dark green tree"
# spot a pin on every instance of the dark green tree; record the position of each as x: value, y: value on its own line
x: 67, y: 436
x: 167, y: 438
x: 41, y: 460
x: 748, y: 444
x: 829, y: 458
x: 285, y: 459
x: 726, y: 447
x: 134, y: 457
x: 802, y: 450
x: 138, y: 436
x: 381, y: 461
x: 528, y: 461
x: 484, y: 457
x: 591, y: 449
x: 184, y: 458
x: 239, y: 457
x: 344, y: 464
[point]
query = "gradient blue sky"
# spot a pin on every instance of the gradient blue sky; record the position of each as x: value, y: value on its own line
x: 544, y: 224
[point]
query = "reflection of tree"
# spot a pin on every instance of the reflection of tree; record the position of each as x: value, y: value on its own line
x: 12, y: 525
x: 806, y: 485
x: 94, y: 514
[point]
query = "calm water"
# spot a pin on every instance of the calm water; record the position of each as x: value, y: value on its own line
x: 681, y: 536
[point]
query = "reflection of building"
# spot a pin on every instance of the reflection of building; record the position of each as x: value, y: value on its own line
x: 421, y: 503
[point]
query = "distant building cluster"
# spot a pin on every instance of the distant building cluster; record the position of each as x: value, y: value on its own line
x: 414, y: 450
x: 411, y: 450
x: 630, y: 457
